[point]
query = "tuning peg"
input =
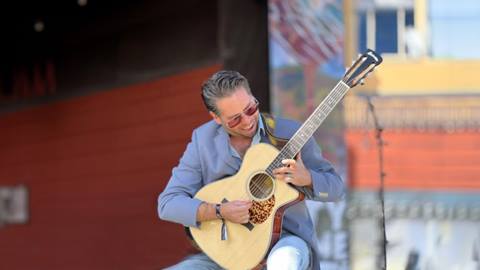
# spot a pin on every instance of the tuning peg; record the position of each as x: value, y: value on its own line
x: 362, y: 81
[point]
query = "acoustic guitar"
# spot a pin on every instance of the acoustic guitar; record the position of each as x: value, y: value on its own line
x: 244, y: 246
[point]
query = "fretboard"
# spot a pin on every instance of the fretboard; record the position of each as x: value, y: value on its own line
x: 298, y: 140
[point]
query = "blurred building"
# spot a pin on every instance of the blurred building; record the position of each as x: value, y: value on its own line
x: 426, y: 96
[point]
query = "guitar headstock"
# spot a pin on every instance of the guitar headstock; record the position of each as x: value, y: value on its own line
x: 361, y: 68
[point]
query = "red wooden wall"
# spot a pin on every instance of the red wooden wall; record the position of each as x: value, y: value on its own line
x: 429, y: 160
x: 94, y: 166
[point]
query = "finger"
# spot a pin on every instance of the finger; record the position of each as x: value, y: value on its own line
x: 287, y: 178
x: 246, y: 205
x: 282, y: 170
x: 243, y: 205
x: 242, y: 202
x: 289, y: 162
x: 299, y: 159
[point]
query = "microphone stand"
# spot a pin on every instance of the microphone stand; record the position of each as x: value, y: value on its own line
x: 382, y: 257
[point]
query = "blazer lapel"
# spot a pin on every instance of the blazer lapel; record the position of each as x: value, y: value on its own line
x: 222, y: 143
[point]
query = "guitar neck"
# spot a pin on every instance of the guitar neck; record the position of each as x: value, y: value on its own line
x: 303, y: 134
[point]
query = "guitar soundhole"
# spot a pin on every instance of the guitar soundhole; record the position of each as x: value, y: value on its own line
x: 261, y: 187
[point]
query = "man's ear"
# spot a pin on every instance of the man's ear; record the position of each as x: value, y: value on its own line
x: 215, y: 117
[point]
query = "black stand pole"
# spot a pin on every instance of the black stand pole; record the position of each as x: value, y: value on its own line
x: 382, y: 256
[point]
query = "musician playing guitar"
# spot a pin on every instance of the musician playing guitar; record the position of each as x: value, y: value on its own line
x: 218, y: 150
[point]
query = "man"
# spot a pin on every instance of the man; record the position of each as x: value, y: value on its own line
x: 216, y: 151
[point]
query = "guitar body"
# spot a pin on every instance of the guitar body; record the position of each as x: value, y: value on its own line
x: 246, y: 245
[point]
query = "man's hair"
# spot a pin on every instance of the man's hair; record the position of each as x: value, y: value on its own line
x: 222, y: 84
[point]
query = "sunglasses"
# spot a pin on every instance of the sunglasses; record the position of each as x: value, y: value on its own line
x: 249, y: 111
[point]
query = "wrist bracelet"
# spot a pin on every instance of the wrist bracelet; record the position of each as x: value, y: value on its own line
x: 217, y: 211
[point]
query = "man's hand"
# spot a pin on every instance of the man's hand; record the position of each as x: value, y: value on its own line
x: 294, y: 171
x: 236, y: 211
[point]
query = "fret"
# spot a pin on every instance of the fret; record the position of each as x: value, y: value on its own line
x: 327, y: 106
x: 330, y: 102
x: 297, y: 140
x: 269, y: 170
x: 285, y: 153
x: 320, y: 113
x: 305, y: 132
x: 290, y: 149
x: 303, y: 136
x: 272, y: 166
x: 317, y: 120
x: 325, y: 109
x: 308, y: 127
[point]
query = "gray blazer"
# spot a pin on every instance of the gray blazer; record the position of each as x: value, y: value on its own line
x: 208, y: 158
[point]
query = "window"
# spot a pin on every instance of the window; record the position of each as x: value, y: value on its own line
x: 385, y: 29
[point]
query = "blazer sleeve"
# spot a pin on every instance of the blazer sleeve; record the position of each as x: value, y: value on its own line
x: 176, y: 202
x: 328, y: 186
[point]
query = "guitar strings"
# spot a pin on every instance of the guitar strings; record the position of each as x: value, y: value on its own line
x: 337, y: 93
x: 258, y: 187
x: 262, y: 180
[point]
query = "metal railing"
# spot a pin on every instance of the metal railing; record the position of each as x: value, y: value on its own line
x: 446, y: 113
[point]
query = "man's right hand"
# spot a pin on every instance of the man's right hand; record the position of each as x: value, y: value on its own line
x: 236, y: 211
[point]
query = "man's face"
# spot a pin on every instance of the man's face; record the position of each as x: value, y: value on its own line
x: 234, y: 113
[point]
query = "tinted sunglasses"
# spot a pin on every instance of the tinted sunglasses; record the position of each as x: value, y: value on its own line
x: 249, y: 111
